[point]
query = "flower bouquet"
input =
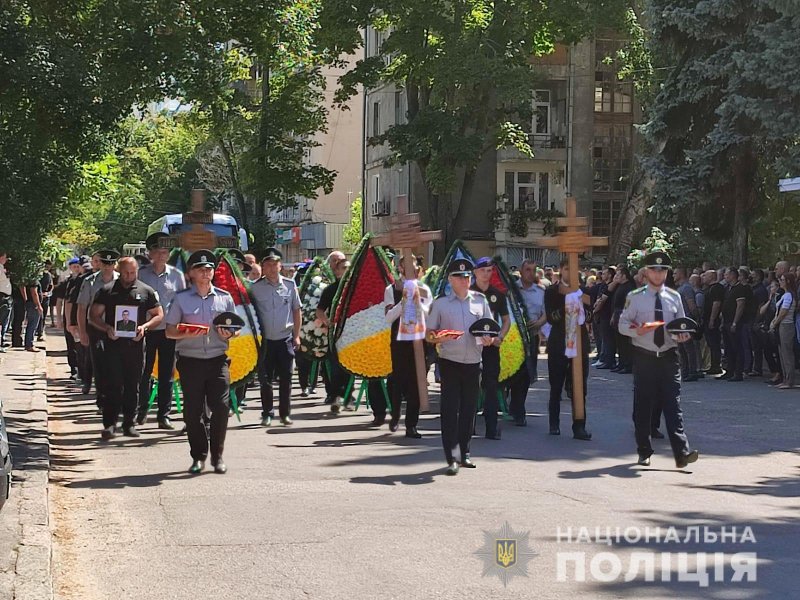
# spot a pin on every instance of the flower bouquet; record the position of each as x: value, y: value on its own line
x: 361, y: 333
x: 313, y: 334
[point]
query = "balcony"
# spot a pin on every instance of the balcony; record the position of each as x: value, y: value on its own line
x: 545, y: 147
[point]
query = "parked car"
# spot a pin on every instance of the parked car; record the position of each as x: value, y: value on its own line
x: 5, y: 460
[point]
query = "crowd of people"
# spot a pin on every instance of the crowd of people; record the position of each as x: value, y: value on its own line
x: 120, y: 315
x: 746, y: 321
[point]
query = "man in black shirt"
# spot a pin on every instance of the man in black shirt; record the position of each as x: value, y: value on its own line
x: 712, y: 307
x: 124, y: 355
x: 603, y: 311
x: 66, y: 293
x: 625, y: 285
x: 558, y: 365
x: 733, y: 324
x: 336, y: 379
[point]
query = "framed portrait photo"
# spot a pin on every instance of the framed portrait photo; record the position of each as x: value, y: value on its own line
x: 126, y: 318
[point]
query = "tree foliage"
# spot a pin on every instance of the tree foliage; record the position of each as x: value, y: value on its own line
x: 725, y: 119
x: 354, y: 230
x: 465, y: 67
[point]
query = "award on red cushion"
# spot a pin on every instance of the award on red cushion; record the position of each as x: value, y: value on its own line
x: 192, y: 328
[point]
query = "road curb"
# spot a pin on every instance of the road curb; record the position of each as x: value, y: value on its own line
x: 31, y: 475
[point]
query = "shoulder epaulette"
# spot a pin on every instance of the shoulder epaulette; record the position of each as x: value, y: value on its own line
x: 639, y: 290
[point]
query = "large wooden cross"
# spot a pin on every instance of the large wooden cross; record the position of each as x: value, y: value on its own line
x: 405, y: 234
x: 573, y: 241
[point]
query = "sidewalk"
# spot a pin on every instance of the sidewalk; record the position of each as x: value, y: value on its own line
x: 25, y: 539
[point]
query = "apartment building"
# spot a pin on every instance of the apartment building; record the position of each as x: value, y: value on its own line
x: 583, y: 140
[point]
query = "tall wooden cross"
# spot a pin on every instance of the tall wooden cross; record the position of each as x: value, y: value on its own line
x: 573, y: 241
x: 405, y: 234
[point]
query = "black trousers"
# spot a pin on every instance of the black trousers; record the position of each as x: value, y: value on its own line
x: 490, y: 375
x: 459, y: 400
x: 17, y: 320
x: 336, y: 379
x: 714, y: 340
x: 99, y: 366
x: 206, y: 386
x: 122, y: 360
x: 377, y: 399
x: 275, y: 364
x: 403, y: 383
x: 83, y: 354
x: 733, y: 353
x: 559, y: 371
x: 157, y: 342
x: 304, y: 372
x: 624, y: 348
x: 657, y: 380
x: 72, y: 352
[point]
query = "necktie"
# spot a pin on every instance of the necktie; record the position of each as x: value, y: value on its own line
x: 658, y: 334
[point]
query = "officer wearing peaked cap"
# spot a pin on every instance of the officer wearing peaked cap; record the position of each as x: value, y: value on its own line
x: 277, y: 304
x: 459, y: 360
x: 167, y: 281
x: 202, y: 361
x: 656, y: 368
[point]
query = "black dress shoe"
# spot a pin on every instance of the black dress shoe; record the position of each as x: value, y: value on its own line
x: 165, y: 423
x: 625, y: 371
x: 683, y: 461
x: 130, y: 431
x: 86, y: 388
x: 452, y: 468
x: 394, y: 425
x: 736, y: 378
x: 377, y: 422
x: 493, y: 435
x: 412, y: 432
x: 220, y: 467
x: 555, y: 431
x: 521, y: 421
x: 725, y: 375
x: 656, y: 434
x: 468, y: 464
x: 197, y: 467
x: 108, y: 433
x: 644, y: 460
x: 604, y: 366
x: 579, y: 431
x: 141, y: 418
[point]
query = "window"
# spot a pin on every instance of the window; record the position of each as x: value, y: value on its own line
x: 376, y: 119
x: 605, y: 213
x: 611, y: 157
x: 528, y: 190
x: 610, y: 94
x: 399, y: 116
x: 541, y: 114
x: 376, y: 201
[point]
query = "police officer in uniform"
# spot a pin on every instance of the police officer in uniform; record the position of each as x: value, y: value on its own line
x: 123, y: 355
x: 459, y: 360
x: 202, y: 360
x: 277, y: 303
x: 656, y: 367
x: 92, y: 338
x: 167, y: 281
x: 490, y: 362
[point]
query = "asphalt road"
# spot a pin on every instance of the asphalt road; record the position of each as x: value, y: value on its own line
x: 329, y: 508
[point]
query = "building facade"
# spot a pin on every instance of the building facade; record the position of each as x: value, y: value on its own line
x: 316, y: 225
x: 583, y: 142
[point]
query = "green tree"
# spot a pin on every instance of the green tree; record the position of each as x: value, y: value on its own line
x: 148, y: 172
x: 354, y: 230
x: 465, y: 68
x: 725, y: 120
